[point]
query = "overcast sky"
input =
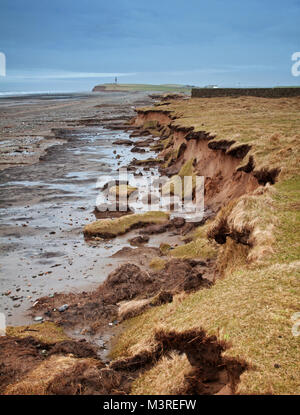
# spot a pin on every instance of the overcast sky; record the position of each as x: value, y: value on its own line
x: 188, y: 41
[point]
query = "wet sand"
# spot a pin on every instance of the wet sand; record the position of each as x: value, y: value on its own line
x: 48, y: 198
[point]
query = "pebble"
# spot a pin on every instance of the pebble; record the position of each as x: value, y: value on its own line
x: 63, y: 308
x: 38, y: 318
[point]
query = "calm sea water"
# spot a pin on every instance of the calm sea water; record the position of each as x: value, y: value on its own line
x: 12, y: 86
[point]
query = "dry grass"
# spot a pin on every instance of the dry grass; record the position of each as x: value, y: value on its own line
x: 253, y: 305
x: 37, y: 381
x: 241, y: 216
x: 270, y: 125
x: 132, y: 308
x: 119, y: 226
x: 250, y: 308
x: 157, y: 263
x: 165, y: 378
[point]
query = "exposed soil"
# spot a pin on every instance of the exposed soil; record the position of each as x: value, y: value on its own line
x: 210, y: 372
x: 94, y: 311
x: 216, y: 160
x: 19, y: 356
x: 45, y: 205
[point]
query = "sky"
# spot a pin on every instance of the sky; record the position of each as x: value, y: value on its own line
x: 77, y: 44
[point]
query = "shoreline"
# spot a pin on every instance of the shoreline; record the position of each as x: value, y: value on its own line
x: 31, y: 196
x: 183, y: 272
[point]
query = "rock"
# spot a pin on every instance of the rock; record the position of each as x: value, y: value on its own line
x: 138, y: 150
x: 38, y: 318
x: 138, y: 240
x: 124, y: 142
x: 63, y: 308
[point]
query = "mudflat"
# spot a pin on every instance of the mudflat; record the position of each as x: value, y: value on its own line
x: 54, y: 149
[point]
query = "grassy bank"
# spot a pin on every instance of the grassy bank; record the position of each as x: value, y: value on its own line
x: 252, y: 305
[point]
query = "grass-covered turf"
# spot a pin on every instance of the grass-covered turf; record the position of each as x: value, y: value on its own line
x: 271, y: 126
x: 253, y: 304
x: 46, y: 332
x: 107, y: 228
x: 199, y: 247
x: 251, y: 308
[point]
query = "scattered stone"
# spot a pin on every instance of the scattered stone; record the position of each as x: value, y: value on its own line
x: 124, y: 142
x: 63, y: 308
x: 139, y: 240
x: 137, y: 149
x: 38, y: 318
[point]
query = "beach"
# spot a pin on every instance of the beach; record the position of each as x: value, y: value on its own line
x: 104, y: 301
x: 53, y: 153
